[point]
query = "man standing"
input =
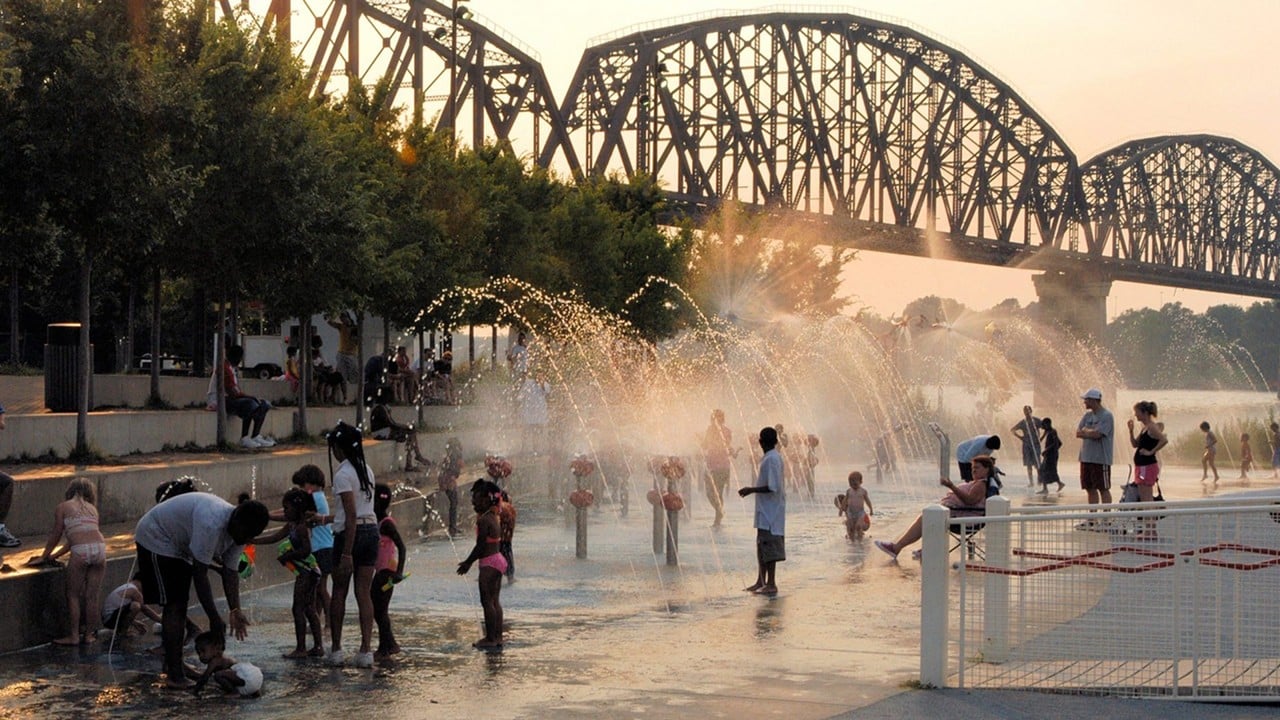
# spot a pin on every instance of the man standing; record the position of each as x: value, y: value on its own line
x: 348, y: 346
x: 771, y: 514
x: 716, y: 448
x: 1028, y: 431
x: 971, y: 448
x: 1096, y: 429
x: 177, y: 542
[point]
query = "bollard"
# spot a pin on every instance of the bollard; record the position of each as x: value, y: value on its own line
x: 582, y: 533
x: 581, y: 513
x: 659, y: 529
x: 673, y: 537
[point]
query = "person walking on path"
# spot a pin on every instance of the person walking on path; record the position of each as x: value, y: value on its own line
x: 771, y: 515
x: 717, y: 448
x: 1028, y: 430
x: 1096, y: 430
x: 1049, y: 458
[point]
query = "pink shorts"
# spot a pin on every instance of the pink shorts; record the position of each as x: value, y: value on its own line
x: 495, y: 561
x: 1146, y: 474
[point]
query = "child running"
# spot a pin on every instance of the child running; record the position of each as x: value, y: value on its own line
x: 390, y: 570
x: 485, y: 498
x: 1207, y: 460
x: 852, y: 504
x: 230, y: 676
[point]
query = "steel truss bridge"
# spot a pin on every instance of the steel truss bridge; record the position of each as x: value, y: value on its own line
x: 885, y: 137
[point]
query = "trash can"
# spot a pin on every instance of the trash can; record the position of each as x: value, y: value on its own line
x: 62, y: 368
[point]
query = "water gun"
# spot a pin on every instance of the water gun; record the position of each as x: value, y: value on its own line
x: 308, y: 563
x: 392, y: 581
x: 247, y: 558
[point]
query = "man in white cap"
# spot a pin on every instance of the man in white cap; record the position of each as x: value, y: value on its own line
x: 1096, y: 430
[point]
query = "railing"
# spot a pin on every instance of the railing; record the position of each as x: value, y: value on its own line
x: 1171, y: 600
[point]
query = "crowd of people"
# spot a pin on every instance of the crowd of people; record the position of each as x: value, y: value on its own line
x: 353, y: 547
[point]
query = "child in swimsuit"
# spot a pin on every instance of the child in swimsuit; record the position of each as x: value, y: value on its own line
x: 485, y: 498
x: 389, y: 571
x: 77, y: 519
x: 856, y: 508
x: 231, y: 677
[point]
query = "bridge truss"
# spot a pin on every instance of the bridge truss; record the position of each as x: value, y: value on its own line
x: 499, y: 90
x: 886, y: 138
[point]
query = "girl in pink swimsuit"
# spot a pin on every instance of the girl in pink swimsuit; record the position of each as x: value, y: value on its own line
x: 485, y: 496
x: 390, y: 570
x: 77, y: 519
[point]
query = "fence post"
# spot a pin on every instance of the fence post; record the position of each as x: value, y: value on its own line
x: 995, y: 595
x: 934, y: 577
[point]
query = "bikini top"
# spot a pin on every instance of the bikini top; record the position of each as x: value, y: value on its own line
x: 77, y: 523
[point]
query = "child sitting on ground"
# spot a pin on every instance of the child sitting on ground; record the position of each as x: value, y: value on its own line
x: 851, y: 504
x: 389, y: 571
x: 230, y: 676
x: 122, y: 607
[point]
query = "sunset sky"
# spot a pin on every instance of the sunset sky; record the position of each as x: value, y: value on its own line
x: 1101, y: 72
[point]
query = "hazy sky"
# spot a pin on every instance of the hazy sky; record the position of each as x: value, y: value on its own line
x: 1101, y: 72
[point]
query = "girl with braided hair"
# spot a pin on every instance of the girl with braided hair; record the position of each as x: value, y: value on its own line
x: 485, y: 498
x: 355, y: 527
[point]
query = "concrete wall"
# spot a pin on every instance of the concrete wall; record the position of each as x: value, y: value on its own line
x: 126, y: 492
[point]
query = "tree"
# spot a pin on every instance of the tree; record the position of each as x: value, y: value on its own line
x: 88, y: 99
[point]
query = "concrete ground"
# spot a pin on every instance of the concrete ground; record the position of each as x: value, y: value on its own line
x: 618, y: 635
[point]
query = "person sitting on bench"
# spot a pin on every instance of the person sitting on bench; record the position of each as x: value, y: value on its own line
x: 967, y: 498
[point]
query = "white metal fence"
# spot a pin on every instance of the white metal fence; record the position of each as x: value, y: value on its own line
x: 1176, y: 600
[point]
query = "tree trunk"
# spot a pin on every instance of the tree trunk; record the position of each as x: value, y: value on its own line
x: 130, y: 326
x: 15, y: 351
x: 220, y: 383
x: 304, y: 372
x: 155, y: 337
x: 360, y: 368
x: 422, y: 375
x: 201, y: 332
x: 86, y: 362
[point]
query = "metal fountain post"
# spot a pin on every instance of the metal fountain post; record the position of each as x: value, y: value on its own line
x: 673, y: 530
x: 580, y: 516
x: 659, y: 524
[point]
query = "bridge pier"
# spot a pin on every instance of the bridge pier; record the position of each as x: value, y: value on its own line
x: 1073, y: 302
x: 1078, y: 304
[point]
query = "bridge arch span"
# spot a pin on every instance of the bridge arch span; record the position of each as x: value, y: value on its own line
x: 828, y: 113
x: 1200, y: 203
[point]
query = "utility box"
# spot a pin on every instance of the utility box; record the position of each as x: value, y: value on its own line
x: 62, y: 379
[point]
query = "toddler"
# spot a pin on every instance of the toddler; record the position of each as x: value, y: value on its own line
x: 389, y: 571
x: 230, y: 676
x: 851, y: 504
x: 1246, y: 456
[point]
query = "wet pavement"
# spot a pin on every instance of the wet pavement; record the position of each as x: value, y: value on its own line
x: 619, y: 635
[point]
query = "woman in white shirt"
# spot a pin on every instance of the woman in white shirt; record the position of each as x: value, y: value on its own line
x: 355, y: 540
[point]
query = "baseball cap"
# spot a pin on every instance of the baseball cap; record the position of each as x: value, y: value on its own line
x: 1092, y: 394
